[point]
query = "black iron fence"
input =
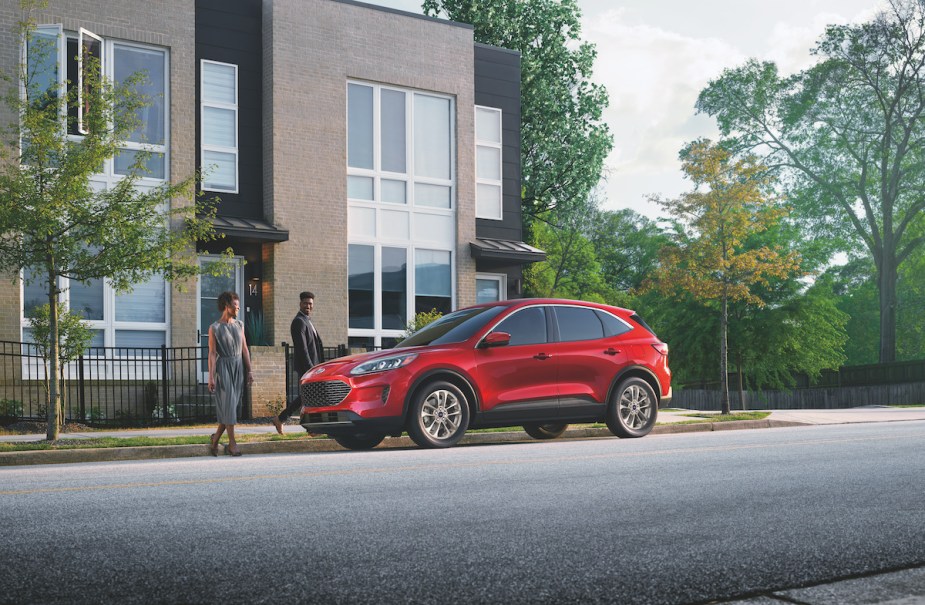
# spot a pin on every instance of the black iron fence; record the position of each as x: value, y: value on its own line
x: 110, y: 386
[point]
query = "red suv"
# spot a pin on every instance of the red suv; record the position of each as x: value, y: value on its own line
x: 537, y: 363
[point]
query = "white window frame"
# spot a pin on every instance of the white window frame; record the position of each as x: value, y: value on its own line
x: 481, y: 180
x: 203, y: 147
x: 409, y: 178
x: 81, y: 34
x: 501, y: 278
x: 377, y: 332
x: 413, y: 211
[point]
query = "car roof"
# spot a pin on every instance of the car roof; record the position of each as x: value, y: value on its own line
x: 524, y: 302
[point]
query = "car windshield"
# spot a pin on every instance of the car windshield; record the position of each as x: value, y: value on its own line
x: 455, y: 327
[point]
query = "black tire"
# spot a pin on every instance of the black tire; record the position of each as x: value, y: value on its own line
x: 439, y: 415
x: 359, y: 441
x: 633, y: 408
x: 545, y: 431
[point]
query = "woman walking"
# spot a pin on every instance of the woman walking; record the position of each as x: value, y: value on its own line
x: 227, y: 348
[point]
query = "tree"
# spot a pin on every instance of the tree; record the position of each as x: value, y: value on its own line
x: 564, y: 140
x: 53, y: 223
x: 848, y: 135
x: 730, y: 202
x: 571, y: 268
x: 627, y: 246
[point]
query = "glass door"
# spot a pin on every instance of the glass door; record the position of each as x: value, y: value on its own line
x: 210, y: 286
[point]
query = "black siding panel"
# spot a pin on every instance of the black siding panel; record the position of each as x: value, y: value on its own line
x: 231, y: 31
x: 497, y: 84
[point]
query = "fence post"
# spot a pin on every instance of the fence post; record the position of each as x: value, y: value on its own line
x: 288, y: 371
x: 164, y: 382
x: 81, y: 401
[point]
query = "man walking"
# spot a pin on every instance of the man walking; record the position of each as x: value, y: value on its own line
x: 309, y: 352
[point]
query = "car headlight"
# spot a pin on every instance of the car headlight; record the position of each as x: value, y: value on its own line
x: 383, y: 364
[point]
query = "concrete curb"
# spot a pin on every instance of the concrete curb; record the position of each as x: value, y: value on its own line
x: 158, y: 452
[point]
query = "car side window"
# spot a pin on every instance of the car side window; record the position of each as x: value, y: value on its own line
x: 578, y: 323
x: 612, y: 325
x: 526, y: 327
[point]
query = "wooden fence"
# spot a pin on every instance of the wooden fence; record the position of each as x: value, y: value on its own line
x: 827, y: 398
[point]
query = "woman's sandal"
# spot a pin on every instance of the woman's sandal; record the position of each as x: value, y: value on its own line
x: 232, y: 452
x: 213, y: 448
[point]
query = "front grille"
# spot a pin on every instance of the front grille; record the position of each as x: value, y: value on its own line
x: 324, y: 393
x: 325, y: 418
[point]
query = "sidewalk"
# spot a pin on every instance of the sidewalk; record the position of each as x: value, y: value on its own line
x: 673, y: 421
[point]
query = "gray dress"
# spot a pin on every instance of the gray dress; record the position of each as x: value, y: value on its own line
x: 229, y: 370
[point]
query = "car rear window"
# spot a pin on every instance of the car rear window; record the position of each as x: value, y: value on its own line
x: 612, y: 325
x: 639, y: 321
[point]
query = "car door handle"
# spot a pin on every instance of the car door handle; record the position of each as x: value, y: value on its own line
x: 611, y: 351
x: 542, y: 356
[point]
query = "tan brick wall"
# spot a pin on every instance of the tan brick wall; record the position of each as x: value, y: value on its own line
x: 269, y: 367
x: 312, y: 47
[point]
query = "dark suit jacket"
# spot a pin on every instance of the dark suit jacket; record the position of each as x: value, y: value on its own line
x: 309, y: 351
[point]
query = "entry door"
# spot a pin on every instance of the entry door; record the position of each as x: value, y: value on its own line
x: 209, y: 289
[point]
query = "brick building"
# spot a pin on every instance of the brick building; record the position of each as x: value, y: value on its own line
x: 369, y: 155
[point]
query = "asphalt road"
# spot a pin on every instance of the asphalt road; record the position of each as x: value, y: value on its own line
x: 684, y: 518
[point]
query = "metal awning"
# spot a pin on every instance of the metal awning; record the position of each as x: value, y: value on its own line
x: 505, y: 250
x: 249, y: 229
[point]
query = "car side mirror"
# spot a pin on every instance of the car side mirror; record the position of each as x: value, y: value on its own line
x: 496, y: 339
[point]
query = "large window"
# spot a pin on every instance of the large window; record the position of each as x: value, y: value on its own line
x: 219, y: 120
x: 134, y: 319
x: 382, y: 290
x: 58, y: 60
x: 401, y: 209
x: 488, y: 163
x: 399, y: 146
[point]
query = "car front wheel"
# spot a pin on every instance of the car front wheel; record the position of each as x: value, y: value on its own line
x: 359, y: 441
x: 633, y: 409
x: 545, y: 431
x: 439, y: 415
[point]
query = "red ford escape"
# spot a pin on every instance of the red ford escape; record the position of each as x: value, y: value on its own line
x: 537, y: 363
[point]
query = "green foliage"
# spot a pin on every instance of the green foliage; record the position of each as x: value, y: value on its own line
x: 74, y: 334
x: 55, y: 222
x: 626, y: 245
x: 420, y: 320
x: 277, y: 405
x: 846, y: 137
x: 11, y: 407
x: 718, y: 255
x: 255, y: 329
x: 564, y: 139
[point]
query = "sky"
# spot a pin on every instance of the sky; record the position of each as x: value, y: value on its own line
x: 654, y: 58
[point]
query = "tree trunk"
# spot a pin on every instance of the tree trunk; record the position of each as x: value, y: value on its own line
x: 724, y: 356
x: 887, y: 277
x: 54, y: 398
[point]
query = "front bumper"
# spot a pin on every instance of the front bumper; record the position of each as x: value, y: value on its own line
x: 346, y: 422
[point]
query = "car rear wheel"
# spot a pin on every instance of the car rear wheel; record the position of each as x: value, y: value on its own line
x: 439, y: 415
x: 633, y: 408
x: 359, y: 441
x: 545, y: 431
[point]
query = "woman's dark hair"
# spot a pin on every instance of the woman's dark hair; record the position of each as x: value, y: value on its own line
x: 226, y: 298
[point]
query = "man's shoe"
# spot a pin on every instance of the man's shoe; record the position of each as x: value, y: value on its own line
x: 277, y: 424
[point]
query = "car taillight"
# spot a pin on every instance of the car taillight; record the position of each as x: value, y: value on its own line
x: 661, y: 348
